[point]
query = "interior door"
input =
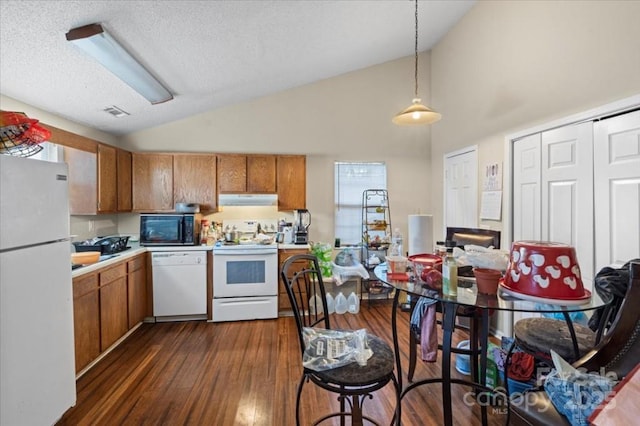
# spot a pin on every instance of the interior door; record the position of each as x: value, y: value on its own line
x: 527, y: 224
x: 567, y: 192
x: 617, y: 189
x: 461, y: 188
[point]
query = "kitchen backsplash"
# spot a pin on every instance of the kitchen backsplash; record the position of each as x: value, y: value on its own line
x: 85, y: 227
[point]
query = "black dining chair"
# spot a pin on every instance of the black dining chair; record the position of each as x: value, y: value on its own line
x: 353, y: 383
x: 618, y: 352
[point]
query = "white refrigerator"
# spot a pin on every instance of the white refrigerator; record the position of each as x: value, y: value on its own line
x: 37, y: 361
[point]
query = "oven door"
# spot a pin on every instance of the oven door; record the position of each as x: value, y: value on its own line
x: 245, y: 272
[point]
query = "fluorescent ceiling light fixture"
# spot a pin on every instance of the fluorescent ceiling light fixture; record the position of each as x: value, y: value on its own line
x: 96, y: 42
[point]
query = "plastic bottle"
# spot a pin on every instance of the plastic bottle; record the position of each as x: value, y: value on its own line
x: 315, y: 305
x: 450, y: 274
x: 341, y: 304
x: 396, y: 243
x: 204, y: 231
x: 353, y: 303
x: 331, y: 304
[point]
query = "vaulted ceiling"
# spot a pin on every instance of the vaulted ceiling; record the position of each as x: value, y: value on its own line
x: 210, y: 54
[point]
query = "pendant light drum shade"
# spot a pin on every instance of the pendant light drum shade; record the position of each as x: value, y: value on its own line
x: 416, y: 113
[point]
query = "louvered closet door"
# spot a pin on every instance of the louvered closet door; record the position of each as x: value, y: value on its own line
x: 617, y: 189
x: 526, y: 189
x: 567, y: 192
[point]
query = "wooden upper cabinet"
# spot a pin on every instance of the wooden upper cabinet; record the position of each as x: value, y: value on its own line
x: 152, y: 182
x: 292, y: 182
x: 83, y: 180
x: 194, y: 180
x: 107, y: 179
x: 246, y: 173
x: 124, y: 181
x: 232, y: 173
x: 261, y: 173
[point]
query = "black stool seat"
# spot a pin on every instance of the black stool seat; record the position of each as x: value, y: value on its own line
x: 539, y: 336
x: 380, y: 364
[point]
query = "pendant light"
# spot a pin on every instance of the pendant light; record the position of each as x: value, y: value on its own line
x: 416, y: 113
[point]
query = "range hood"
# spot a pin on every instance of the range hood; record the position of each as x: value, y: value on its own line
x: 248, y: 200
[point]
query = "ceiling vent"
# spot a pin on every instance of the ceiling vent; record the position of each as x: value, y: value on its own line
x: 115, y: 111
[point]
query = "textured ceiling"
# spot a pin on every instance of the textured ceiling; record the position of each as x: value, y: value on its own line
x: 210, y: 54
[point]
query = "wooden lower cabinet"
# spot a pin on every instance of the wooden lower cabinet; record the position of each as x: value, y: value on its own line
x: 137, y: 289
x: 86, y: 319
x: 113, y: 305
x: 107, y: 304
x: 283, y: 255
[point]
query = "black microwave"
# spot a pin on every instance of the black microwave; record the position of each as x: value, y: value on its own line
x: 169, y: 229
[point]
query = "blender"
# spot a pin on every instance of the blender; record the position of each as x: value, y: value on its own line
x: 301, y: 222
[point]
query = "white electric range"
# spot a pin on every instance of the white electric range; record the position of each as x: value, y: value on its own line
x: 245, y: 275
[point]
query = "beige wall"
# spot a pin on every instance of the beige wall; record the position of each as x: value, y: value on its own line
x: 346, y: 118
x: 510, y: 65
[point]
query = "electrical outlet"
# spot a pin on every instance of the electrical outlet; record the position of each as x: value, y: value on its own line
x: 91, y: 226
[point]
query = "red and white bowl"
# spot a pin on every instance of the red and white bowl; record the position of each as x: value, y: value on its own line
x: 544, y: 271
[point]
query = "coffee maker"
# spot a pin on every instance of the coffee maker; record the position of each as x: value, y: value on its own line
x: 301, y: 222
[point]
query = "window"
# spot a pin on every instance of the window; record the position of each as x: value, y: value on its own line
x: 351, y: 179
x: 50, y: 152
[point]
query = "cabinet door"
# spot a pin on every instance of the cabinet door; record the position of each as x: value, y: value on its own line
x: 617, y: 189
x: 83, y: 181
x: 107, y: 183
x: 261, y: 173
x: 194, y: 180
x: 137, y: 289
x: 232, y: 173
x: 124, y: 181
x: 113, y: 305
x: 283, y: 255
x: 291, y: 175
x: 152, y: 182
x: 86, y: 319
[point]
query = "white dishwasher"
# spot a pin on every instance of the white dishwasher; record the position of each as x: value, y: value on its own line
x: 179, y: 285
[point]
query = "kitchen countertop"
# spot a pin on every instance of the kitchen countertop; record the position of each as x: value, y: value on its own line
x: 136, y: 249
x: 133, y: 251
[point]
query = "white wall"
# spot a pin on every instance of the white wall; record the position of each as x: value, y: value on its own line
x: 346, y: 118
x: 510, y: 65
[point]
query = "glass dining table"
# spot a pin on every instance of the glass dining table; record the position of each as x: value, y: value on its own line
x: 484, y: 305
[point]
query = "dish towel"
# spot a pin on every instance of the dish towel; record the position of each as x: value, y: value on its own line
x: 423, y: 318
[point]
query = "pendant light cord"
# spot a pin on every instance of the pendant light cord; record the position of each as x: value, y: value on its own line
x: 416, y: 55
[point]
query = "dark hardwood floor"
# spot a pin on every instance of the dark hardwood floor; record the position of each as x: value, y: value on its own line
x: 243, y: 373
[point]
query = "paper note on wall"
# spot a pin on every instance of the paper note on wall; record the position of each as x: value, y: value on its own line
x: 491, y: 205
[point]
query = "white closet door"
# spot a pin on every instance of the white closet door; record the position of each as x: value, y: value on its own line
x: 526, y: 189
x: 461, y: 188
x: 617, y: 189
x: 567, y: 192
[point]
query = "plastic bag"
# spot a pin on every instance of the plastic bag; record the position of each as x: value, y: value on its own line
x: 576, y: 394
x: 323, y: 252
x: 327, y: 349
x: 484, y: 257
